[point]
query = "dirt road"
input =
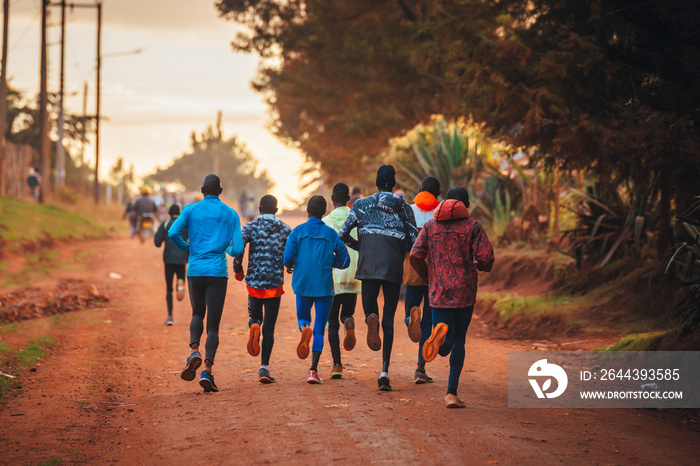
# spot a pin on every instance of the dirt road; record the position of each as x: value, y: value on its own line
x: 112, y: 393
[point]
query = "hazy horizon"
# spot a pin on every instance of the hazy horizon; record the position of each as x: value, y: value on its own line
x: 152, y: 101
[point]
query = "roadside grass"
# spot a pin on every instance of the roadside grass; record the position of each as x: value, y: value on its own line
x: 51, y: 461
x: 25, y: 224
x: 25, y: 344
x: 608, y: 309
x: 14, y: 362
x: 28, y: 232
x: 37, y: 350
x: 637, y: 342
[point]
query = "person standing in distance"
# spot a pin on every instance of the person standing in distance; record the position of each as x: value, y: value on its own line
x: 214, y: 229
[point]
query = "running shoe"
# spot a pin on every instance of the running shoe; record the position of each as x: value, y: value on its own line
x: 169, y: 321
x: 180, y: 294
x: 303, y: 348
x: 453, y: 402
x: 190, y: 370
x: 384, y: 385
x: 373, y: 340
x: 206, y: 380
x: 434, y: 342
x: 349, y: 340
x: 421, y: 377
x: 414, y: 330
x: 313, y: 377
x: 254, y: 340
x: 264, y: 376
x: 337, y: 371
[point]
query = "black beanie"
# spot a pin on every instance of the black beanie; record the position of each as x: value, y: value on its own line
x: 386, y: 177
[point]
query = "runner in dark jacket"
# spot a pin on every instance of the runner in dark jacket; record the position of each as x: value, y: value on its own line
x: 386, y: 229
x: 449, y: 251
x: 174, y: 259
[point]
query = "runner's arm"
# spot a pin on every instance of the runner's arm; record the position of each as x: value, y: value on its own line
x: 483, y: 250
x: 290, y: 250
x: 342, y: 258
x: 177, y: 228
x: 344, y: 233
x: 237, y: 246
x: 418, y: 254
x: 160, y: 235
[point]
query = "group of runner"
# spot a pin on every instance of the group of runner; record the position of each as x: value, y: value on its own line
x: 433, y: 247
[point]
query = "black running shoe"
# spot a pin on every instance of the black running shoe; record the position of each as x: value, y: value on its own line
x: 264, y: 376
x: 206, y: 380
x: 384, y: 384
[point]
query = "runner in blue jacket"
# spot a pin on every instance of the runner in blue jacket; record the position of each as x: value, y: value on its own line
x: 214, y: 230
x: 313, y: 249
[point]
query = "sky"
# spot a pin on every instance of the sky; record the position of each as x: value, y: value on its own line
x: 152, y: 101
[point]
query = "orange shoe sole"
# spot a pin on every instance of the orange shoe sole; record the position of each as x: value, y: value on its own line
x: 349, y: 340
x: 254, y: 340
x: 373, y: 340
x: 414, y: 330
x: 432, y: 345
x: 303, y: 348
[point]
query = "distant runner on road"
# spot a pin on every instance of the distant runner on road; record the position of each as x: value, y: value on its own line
x: 174, y: 259
x: 214, y: 229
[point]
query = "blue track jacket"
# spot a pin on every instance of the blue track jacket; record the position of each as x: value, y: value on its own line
x: 314, y: 249
x: 214, y: 229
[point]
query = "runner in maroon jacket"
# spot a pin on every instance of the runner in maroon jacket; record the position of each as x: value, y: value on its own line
x: 455, y: 247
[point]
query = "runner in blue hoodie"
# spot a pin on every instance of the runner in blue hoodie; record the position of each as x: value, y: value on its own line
x: 214, y: 230
x: 386, y: 230
x: 313, y: 249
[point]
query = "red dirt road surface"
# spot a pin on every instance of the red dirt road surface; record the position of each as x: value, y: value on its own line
x: 111, y: 392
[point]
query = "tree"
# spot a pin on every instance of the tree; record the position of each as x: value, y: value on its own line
x: 342, y: 83
x: 238, y: 168
x: 612, y: 86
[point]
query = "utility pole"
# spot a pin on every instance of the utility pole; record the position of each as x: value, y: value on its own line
x: 44, y: 149
x: 83, y: 132
x: 3, y: 94
x: 96, y: 186
x: 60, y: 151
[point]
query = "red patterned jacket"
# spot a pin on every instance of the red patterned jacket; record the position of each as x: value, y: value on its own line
x: 447, y: 254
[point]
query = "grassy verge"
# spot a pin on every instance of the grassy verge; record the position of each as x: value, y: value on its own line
x: 26, y: 224
x: 28, y: 232
x: 13, y: 361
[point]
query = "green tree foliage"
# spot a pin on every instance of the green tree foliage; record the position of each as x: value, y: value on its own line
x: 237, y: 166
x: 611, y: 86
x: 337, y: 76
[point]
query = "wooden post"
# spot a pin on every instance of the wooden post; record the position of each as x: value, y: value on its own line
x: 96, y: 184
x: 44, y: 149
x: 3, y: 96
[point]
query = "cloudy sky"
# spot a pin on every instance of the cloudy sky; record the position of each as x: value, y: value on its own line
x: 152, y: 101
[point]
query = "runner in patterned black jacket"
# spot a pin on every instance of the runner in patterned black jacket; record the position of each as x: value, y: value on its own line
x: 386, y: 230
x: 266, y: 237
